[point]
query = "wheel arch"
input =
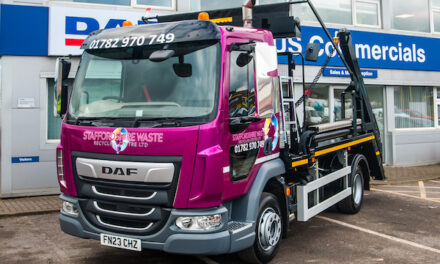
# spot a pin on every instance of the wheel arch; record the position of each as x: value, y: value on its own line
x: 246, y: 208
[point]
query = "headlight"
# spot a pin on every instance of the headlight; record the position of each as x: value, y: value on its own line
x: 70, y: 208
x: 207, y: 222
x: 60, y: 167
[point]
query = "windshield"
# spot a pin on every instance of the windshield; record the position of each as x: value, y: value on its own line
x: 147, y: 83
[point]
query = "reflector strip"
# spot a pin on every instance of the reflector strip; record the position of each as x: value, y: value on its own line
x: 336, y: 148
x: 222, y: 20
x: 300, y: 162
x: 346, y: 145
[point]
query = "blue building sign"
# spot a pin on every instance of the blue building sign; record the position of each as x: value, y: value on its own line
x: 25, y: 159
x: 342, y: 72
x: 24, y: 30
x: 373, y: 50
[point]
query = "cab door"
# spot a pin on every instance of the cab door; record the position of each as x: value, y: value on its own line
x: 252, y: 135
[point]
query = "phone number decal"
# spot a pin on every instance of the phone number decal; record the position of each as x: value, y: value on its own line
x: 131, y: 41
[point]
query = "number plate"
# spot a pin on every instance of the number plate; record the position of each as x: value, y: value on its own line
x: 121, y: 242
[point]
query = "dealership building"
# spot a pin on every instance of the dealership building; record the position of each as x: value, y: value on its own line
x: 396, y: 43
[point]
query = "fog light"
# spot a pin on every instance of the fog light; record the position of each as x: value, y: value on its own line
x: 207, y: 222
x: 70, y: 208
x: 184, y: 222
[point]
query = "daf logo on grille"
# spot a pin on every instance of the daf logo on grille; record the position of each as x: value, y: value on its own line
x: 119, y: 171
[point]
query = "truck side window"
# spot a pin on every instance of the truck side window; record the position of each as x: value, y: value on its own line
x: 241, y: 84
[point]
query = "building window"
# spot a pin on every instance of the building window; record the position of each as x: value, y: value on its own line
x: 436, y: 15
x: 53, y: 123
x: 317, y: 105
x: 437, y: 114
x: 167, y: 4
x: 410, y: 15
x: 367, y: 13
x: 413, y: 107
x: 199, y: 5
x: 337, y: 108
x: 161, y: 3
x: 336, y: 11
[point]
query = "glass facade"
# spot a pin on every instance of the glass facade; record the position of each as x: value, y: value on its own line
x: 375, y: 94
x: 410, y: 15
x: 337, y: 109
x: 367, y: 13
x: 413, y: 107
x: 317, y: 105
x: 337, y: 11
x: 164, y: 3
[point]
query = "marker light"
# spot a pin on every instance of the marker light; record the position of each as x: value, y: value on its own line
x: 336, y: 40
x: 127, y: 23
x: 70, y: 208
x: 60, y: 167
x: 203, y: 16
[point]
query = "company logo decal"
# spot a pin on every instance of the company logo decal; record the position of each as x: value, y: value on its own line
x: 272, y: 122
x: 83, y: 26
x: 120, y: 139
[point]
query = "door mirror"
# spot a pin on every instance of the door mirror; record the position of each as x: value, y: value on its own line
x: 244, y: 59
x: 312, y: 52
x: 62, y: 70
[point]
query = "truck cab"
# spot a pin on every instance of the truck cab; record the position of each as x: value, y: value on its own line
x: 167, y: 125
x: 176, y: 137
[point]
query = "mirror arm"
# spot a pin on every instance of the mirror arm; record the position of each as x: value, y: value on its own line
x: 243, y: 46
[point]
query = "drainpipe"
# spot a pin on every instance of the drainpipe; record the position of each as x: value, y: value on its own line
x: 247, y: 13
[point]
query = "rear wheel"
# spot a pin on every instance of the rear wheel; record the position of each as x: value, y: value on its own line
x: 268, y: 232
x: 352, y: 204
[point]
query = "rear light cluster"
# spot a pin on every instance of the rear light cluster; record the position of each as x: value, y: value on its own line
x: 60, y: 167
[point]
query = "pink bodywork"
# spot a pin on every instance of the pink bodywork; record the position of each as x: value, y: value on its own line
x: 204, y: 149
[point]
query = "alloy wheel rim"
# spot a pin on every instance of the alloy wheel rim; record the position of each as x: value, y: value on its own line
x: 357, y: 189
x: 269, y: 230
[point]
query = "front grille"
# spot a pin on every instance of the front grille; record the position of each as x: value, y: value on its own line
x: 133, y: 208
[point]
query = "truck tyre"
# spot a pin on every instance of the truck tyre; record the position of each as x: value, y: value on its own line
x: 352, y: 204
x: 268, y: 231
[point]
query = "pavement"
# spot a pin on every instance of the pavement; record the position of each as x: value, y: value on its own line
x: 47, y: 204
x: 397, y: 224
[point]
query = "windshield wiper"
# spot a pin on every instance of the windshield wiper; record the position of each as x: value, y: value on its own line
x: 155, y: 122
x: 83, y: 121
x: 164, y: 122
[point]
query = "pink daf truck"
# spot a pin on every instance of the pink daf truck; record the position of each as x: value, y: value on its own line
x: 178, y: 137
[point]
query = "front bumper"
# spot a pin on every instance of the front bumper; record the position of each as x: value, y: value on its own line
x: 227, y: 238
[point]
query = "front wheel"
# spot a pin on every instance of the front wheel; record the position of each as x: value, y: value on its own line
x: 268, y: 232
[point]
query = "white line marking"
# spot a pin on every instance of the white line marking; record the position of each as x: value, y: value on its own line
x: 406, y: 195
x: 422, y: 190
x: 207, y: 260
x: 371, y: 232
x: 399, y: 186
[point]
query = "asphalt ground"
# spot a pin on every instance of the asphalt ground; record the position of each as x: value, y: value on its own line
x: 397, y: 224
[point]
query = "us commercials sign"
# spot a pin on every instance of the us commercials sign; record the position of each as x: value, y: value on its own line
x: 373, y: 50
x: 69, y: 26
